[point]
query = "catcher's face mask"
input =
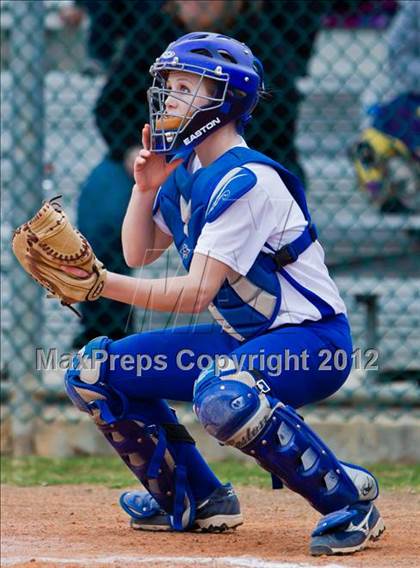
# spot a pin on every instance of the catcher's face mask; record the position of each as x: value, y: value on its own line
x: 179, y: 103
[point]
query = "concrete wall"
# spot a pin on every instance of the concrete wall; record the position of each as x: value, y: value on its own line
x: 364, y: 436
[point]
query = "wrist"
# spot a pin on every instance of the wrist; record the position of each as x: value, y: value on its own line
x: 149, y: 191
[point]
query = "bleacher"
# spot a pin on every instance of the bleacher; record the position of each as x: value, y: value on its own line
x: 370, y: 254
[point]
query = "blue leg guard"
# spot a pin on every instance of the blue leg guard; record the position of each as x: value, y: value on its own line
x: 232, y: 409
x: 153, y: 452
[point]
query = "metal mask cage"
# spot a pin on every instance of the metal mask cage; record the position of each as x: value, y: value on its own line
x: 164, y: 140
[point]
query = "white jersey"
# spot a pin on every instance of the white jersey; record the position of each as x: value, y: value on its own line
x: 268, y: 214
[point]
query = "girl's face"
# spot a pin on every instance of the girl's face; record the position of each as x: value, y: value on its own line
x: 189, y: 92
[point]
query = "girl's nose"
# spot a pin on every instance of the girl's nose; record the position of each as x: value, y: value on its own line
x: 170, y: 102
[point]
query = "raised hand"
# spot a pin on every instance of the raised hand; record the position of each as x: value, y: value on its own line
x: 151, y: 170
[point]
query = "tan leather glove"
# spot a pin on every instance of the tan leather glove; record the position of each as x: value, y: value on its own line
x: 49, y: 241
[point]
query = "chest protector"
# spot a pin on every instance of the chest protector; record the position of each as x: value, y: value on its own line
x: 247, y: 306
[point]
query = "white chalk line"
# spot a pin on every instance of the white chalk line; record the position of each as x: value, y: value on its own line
x: 241, y: 562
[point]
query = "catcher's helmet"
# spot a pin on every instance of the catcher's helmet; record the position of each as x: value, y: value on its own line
x: 238, y: 76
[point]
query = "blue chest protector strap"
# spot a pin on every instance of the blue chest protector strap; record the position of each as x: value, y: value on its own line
x: 289, y: 253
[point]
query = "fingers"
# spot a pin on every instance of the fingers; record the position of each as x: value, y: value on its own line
x: 145, y: 153
x: 139, y: 163
x: 141, y: 158
x: 145, y: 137
x: 75, y: 271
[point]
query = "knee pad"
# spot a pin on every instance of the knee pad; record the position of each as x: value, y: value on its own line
x: 237, y: 413
x: 153, y: 452
x: 229, y: 406
x: 85, y: 380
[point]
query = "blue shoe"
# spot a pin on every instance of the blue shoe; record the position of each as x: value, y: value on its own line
x: 348, y: 530
x: 219, y: 512
x: 144, y: 511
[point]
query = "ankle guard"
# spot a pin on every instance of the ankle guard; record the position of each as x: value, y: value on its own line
x: 153, y: 452
x: 232, y: 409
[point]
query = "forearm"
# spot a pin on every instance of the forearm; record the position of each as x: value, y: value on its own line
x: 138, y: 228
x: 181, y: 293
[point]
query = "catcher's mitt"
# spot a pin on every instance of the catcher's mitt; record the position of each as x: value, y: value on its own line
x: 49, y: 241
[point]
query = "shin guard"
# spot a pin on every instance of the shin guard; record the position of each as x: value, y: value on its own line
x: 153, y: 452
x: 232, y: 409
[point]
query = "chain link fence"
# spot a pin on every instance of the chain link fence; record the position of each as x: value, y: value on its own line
x: 343, y: 114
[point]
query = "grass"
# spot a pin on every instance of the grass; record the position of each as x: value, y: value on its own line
x: 110, y: 472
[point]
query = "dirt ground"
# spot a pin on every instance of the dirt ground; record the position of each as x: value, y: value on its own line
x: 73, y: 526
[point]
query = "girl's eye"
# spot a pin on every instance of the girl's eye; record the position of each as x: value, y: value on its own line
x: 184, y: 89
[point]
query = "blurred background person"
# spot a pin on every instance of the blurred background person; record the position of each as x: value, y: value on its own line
x: 119, y: 45
x: 387, y: 154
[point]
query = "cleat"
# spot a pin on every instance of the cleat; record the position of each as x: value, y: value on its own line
x: 347, y: 531
x: 218, y: 513
x: 144, y: 511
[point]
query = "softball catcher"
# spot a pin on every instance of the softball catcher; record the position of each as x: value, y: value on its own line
x: 243, y: 231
